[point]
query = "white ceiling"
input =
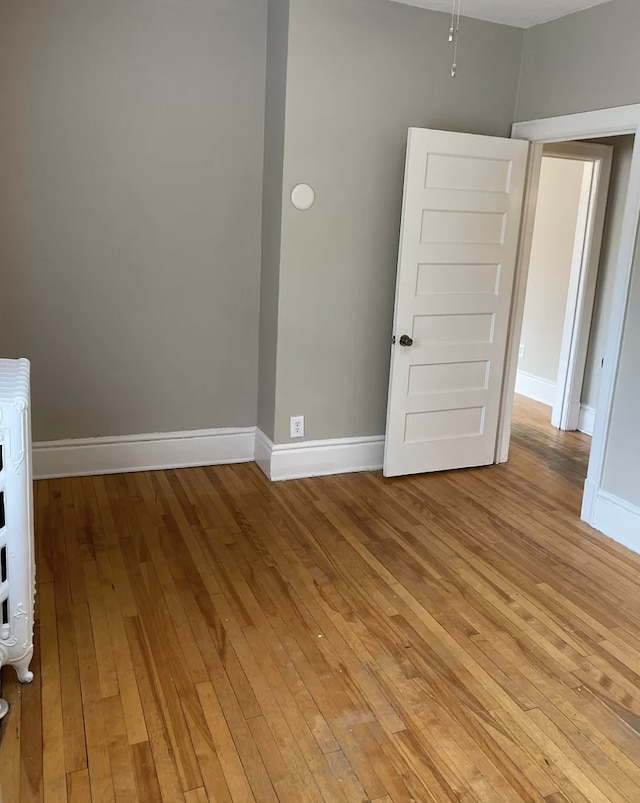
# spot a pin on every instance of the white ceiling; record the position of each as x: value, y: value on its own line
x: 519, y: 13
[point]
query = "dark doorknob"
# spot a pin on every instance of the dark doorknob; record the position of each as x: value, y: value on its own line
x: 405, y: 340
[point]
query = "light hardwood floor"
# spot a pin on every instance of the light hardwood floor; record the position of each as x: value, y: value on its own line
x: 204, y: 635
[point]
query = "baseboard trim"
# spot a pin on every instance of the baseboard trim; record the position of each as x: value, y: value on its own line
x: 262, y: 451
x: 536, y: 388
x: 587, y: 419
x: 290, y: 461
x: 151, y: 452
x: 210, y: 447
x: 617, y: 519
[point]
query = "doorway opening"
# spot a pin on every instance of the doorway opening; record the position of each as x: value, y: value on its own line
x: 465, y: 239
x: 576, y: 236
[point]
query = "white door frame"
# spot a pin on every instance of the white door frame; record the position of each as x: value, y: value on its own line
x: 585, y: 262
x: 601, y: 123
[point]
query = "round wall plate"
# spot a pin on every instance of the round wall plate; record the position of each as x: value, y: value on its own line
x: 303, y: 197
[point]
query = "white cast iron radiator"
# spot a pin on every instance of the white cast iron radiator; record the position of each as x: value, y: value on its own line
x: 17, y: 560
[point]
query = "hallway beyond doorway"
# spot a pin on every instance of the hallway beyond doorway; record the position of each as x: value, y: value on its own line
x: 565, y: 453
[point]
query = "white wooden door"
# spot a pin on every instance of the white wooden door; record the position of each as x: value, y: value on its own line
x: 458, y: 245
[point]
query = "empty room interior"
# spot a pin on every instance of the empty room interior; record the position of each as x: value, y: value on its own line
x: 319, y: 391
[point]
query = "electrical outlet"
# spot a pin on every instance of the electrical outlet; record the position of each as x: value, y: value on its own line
x: 521, y: 352
x: 297, y: 426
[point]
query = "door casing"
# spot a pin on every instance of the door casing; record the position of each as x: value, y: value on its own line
x: 586, y: 125
x: 583, y: 277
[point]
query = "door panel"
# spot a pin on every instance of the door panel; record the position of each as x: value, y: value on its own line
x: 458, y: 243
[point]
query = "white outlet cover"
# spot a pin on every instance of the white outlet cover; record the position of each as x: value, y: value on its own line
x: 303, y: 197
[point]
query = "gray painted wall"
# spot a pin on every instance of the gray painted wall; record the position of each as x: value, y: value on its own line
x: 131, y: 149
x: 585, y: 61
x: 622, y: 153
x: 554, y: 235
x: 588, y: 61
x: 622, y: 465
x: 274, y: 131
x: 131, y: 158
x: 361, y: 72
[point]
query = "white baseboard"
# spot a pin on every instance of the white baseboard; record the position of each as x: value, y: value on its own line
x: 618, y: 519
x: 263, y: 450
x: 587, y: 419
x: 535, y: 387
x: 209, y: 447
x: 115, y: 455
x: 288, y: 461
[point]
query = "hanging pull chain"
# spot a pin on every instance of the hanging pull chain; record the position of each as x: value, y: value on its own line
x: 454, y: 33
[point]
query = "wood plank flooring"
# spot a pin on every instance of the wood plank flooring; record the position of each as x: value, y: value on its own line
x: 204, y: 635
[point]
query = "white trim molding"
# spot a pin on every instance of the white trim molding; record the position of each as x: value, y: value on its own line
x: 599, y: 123
x: 289, y: 461
x: 516, y: 315
x: 536, y: 387
x: 150, y: 452
x: 596, y: 163
x: 587, y: 419
x: 263, y: 451
x: 618, y: 519
x: 206, y: 447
